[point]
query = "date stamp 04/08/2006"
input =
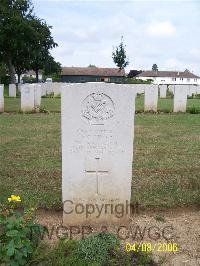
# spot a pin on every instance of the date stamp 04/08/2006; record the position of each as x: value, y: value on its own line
x: 149, y: 247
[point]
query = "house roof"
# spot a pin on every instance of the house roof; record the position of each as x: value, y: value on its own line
x: 92, y: 71
x: 32, y: 72
x: 165, y: 74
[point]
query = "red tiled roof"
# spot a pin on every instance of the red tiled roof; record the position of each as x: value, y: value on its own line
x: 92, y: 71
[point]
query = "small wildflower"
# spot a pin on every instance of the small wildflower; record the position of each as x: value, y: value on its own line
x: 14, y: 198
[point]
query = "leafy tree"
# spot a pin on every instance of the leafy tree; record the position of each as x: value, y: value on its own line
x: 90, y: 65
x: 155, y: 67
x: 3, y: 71
x: 14, y: 15
x: 42, y: 42
x: 25, y: 40
x: 119, y: 55
x: 22, y: 62
x: 51, y: 66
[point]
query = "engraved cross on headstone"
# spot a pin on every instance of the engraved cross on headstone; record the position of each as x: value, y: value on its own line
x: 98, y: 173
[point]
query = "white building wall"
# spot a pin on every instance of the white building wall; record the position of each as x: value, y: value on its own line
x: 27, y: 75
x: 169, y: 80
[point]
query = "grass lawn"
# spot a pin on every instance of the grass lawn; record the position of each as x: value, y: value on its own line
x: 166, y: 158
x: 53, y: 104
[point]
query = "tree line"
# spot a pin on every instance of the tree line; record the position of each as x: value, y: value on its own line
x: 25, y: 41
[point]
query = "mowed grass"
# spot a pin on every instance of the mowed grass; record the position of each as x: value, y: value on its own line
x: 53, y: 104
x: 166, y: 169
x: 166, y: 160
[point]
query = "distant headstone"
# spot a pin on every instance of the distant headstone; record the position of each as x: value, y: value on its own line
x: 19, y: 87
x: 12, y: 90
x: 1, y: 98
x: 163, y: 91
x: 180, y: 98
x: 97, y: 152
x: 49, y: 88
x: 198, y: 89
x: 151, y: 97
x: 171, y: 88
x: 191, y: 90
x: 139, y: 88
x: 37, y: 96
x: 43, y: 89
x: 27, y: 98
x: 56, y: 88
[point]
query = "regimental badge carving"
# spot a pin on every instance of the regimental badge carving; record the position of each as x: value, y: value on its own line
x: 97, y: 107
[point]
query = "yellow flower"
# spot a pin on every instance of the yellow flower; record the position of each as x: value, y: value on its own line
x: 14, y: 198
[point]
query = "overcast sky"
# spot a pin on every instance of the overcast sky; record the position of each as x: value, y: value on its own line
x: 162, y: 32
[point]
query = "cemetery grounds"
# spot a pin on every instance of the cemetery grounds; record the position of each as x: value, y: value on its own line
x: 166, y: 172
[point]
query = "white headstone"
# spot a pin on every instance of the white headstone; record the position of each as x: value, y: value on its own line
x: 43, y: 89
x: 151, y: 97
x: 49, y: 87
x: 139, y: 88
x: 12, y: 90
x: 180, y: 98
x: 37, y: 96
x: 192, y: 89
x: 163, y: 91
x: 19, y: 86
x: 198, y: 89
x: 57, y: 88
x: 171, y: 88
x: 1, y: 98
x: 97, y: 152
x: 27, y: 98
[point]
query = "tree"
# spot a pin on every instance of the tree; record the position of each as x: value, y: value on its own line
x: 119, y: 55
x: 3, y: 71
x: 25, y: 40
x: 51, y: 66
x: 155, y: 67
x: 21, y: 61
x: 42, y: 42
x: 14, y: 29
x: 90, y: 65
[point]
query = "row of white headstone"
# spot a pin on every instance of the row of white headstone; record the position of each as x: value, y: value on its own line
x: 180, y: 92
x: 31, y: 94
x: 46, y: 88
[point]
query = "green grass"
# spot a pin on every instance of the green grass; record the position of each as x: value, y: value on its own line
x: 166, y: 105
x: 166, y: 159
x: 96, y: 250
x: 53, y: 104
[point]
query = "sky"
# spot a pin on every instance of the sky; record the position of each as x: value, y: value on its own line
x: 163, y: 32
